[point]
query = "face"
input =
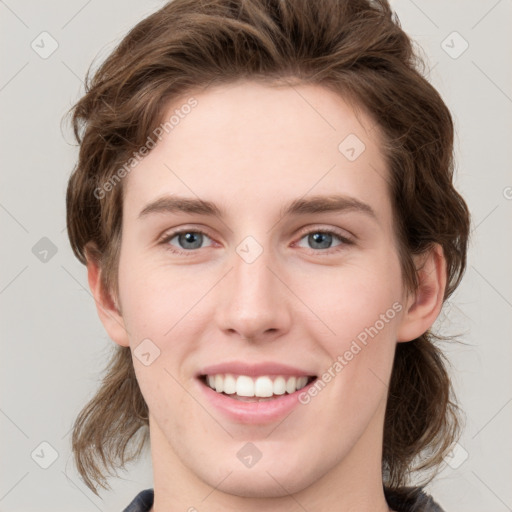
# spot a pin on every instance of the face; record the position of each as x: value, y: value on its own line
x: 284, y: 282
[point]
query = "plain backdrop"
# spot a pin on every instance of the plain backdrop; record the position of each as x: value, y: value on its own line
x: 53, y: 346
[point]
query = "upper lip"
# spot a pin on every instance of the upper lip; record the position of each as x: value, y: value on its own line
x: 254, y: 369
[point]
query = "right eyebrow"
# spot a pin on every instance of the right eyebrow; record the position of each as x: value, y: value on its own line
x: 170, y: 204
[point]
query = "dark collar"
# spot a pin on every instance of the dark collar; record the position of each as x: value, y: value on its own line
x: 408, y: 499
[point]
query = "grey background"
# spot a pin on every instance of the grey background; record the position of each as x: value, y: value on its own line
x: 53, y: 345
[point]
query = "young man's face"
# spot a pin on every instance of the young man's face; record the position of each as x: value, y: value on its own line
x: 254, y: 291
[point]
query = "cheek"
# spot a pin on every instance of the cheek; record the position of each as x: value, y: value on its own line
x: 157, y: 297
x: 360, y: 348
x: 163, y: 304
x: 360, y: 308
x: 354, y: 296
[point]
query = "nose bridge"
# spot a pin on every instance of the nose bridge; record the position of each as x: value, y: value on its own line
x: 253, y: 301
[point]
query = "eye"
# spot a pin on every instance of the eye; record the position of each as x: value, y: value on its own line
x: 322, y: 240
x: 188, y: 240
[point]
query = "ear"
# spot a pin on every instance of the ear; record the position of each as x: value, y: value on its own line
x: 108, y: 311
x: 424, y: 306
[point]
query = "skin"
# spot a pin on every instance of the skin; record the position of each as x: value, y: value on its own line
x: 252, y: 148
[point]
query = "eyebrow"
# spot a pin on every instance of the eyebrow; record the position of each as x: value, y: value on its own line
x: 301, y: 206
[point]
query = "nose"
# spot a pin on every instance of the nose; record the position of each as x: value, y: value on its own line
x: 254, y: 301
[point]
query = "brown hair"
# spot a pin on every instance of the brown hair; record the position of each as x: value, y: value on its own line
x: 354, y: 47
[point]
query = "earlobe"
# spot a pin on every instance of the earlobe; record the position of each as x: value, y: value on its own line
x: 108, y: 311
x: 423, y: 307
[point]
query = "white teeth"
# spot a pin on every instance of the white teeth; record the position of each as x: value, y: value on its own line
x: 291, y: 385
x: 279, y: 386
x: 244, y: 385
x: 263, y: 386
x: 229, y: 384
x: 301, y: 382
x: 219, y: 383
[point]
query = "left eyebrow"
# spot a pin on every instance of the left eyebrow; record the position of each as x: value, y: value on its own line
x: 323, y: 204
x: 302, y: 206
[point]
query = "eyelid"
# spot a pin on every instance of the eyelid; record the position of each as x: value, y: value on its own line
x: 172, y: 232
x: 342, y: 233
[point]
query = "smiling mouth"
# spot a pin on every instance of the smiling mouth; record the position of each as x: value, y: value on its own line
x: 255, y: 389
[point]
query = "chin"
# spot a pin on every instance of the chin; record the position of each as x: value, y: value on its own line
x: 260, y: 484
x: 273, y: 478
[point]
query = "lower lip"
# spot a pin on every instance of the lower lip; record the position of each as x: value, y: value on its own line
x: 253, y: 412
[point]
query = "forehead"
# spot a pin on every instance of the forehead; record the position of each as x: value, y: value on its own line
x: 254, y: 146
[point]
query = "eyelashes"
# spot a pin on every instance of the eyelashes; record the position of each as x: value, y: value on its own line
x: 326, y: 237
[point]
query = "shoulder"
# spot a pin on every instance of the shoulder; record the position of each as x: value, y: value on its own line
x: 411, y: 499
x: 142, y: 502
